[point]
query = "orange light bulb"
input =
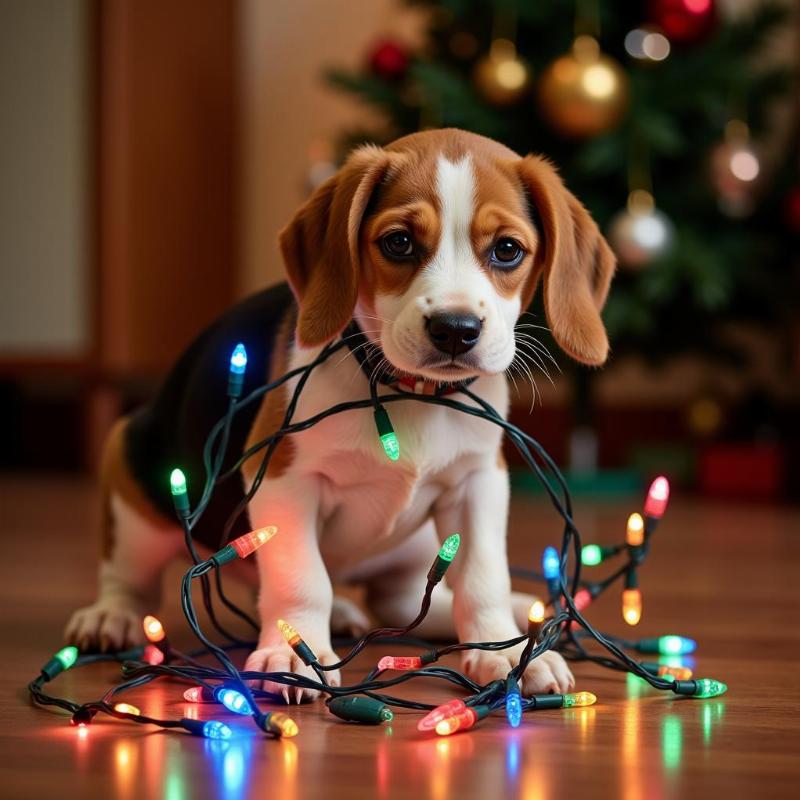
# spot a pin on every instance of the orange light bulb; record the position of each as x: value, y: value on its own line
x: 681, y: 673
x: 631, y: 606
x: 634, y: 536
x: 127, y: 708
x: 153, y: 629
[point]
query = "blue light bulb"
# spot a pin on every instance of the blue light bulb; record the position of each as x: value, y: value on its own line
x: 551, y: 565
x: 216, y: 730
x: 234, y: 701
x: 514, y: 708
x: 676, y: 645
x: 238, y: 359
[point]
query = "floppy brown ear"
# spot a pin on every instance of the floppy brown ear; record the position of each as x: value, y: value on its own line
x: 320, y: 246
x: 575, y: 260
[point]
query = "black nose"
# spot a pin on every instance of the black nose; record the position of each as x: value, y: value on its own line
x: 453, y: 332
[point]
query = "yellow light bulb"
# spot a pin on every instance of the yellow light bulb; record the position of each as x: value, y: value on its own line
x: 536, y: 612
x: 127, y: 708
x: 579, y: 699
x: 286, y: 726
x: 289, y: 633
x: 634, y: 536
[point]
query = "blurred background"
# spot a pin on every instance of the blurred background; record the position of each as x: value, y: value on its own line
x: 150, y: 151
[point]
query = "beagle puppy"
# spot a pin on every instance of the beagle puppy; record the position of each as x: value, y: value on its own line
x: 430, y: 248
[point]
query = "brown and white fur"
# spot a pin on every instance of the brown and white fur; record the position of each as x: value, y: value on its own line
x: 344, y: 511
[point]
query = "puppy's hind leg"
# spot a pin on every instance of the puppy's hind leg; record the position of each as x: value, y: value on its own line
x: 137, y: 545
x: 129, y: 582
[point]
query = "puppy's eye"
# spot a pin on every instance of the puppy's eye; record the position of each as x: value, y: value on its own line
x: 506, y: 253
x: 397, y: 245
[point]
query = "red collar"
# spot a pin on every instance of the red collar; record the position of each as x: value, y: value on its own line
x: 410, y: 384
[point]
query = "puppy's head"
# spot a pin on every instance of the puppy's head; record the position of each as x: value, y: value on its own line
x: 436, y: 245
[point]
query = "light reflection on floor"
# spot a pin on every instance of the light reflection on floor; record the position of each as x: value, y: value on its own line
x: 156, y: 763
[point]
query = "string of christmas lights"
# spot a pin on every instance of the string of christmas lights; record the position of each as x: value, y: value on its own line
x: 367, y: 702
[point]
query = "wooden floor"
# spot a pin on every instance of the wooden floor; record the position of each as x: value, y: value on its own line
x: 726, y: 575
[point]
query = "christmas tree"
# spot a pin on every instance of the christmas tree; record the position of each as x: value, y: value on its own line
x: 653, y: 113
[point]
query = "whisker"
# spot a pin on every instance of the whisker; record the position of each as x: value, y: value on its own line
x: 536, y: 359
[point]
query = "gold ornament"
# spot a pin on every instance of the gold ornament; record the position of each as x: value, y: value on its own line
x: 584, y: 93
x: 641, y: 232
x: 501, y: 77
x: 705, y: 416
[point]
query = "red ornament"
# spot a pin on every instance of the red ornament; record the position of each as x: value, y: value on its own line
x: 684, y: 21
x: 389, y: 60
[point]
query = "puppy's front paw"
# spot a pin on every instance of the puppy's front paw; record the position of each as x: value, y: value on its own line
x: 546, y: 674
x: 105, y: 626
x: 281, y: 658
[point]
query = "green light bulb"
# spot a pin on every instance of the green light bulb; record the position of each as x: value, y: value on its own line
x: 390, y: 445
x: 67, y: 656
x: 387, y: 715
x: 177, y: 482
x: 450, y: 547
x: 708, y: 687
x: 591, y: 555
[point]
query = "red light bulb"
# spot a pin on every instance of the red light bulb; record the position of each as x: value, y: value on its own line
x: 434, y: 717
x: 582, y: 598
x: 401, y: 663
x: 152, y: 655
x: 250, y: 542
x: 461, y: 721
x: 657, y: 498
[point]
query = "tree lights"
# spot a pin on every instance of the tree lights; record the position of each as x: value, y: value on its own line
x: 535, y: 618
x: 386, y: 434
x: 656, y: 503
x: 432, y: 718
x: 632, y: 606
x: 153, y: 629
x: 446, y: 554
x: 669, y: 645
x: 234, y: 701
x: 361, y: 709
x: 462, y: 720
x: 236, y: 371
x: 211, y: 729
x: 401, y: 663
x: 62, y: 660
x: 513, y: 703
x: 365, y: 702
x: 278, y: 724
x: 127, y: 708
x: 551, y: 567
x: 701, y: 688
x: 180, y: 497
x: 293, y: 639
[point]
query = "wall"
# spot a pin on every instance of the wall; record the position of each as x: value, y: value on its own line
x: 44, y: 158
x: 287, y: 109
